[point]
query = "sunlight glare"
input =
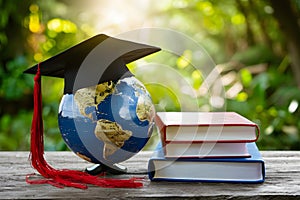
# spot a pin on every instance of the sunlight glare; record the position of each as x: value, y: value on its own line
x: 119, y: 16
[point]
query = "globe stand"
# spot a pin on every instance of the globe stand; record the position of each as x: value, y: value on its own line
x: 100, y: 168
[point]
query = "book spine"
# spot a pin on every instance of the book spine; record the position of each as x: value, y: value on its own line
x: 207, y: 181
x: 208, y: 141
x: 151, y: 170
x: 165, y: 141
x: 161, y: 129
x: 257, y: 132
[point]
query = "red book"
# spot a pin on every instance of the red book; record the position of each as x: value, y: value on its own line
x: 198, y: 134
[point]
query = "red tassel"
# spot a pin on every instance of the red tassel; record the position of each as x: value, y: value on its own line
x: 61, y: 177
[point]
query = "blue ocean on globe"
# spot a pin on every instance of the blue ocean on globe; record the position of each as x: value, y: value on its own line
x: 107, y: 123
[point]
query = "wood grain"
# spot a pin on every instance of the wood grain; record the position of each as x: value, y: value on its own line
x: 282, y: 180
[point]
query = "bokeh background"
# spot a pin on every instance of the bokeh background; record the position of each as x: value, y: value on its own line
x: 255, y: 45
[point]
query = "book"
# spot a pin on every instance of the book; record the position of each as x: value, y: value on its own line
x: 240, y: 170
x: 205, y: 150
x: 205, y: 127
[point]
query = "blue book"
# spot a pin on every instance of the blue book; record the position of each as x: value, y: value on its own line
x: 237, y: 170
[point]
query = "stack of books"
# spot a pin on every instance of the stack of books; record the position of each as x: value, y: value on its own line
x: 206, y: 147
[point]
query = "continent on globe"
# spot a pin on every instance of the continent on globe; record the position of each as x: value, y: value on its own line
x: 145, y: 109
x: 112, y: 135
x: 92, y: 96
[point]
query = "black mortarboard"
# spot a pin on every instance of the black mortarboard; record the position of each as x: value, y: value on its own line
x: 96, y: 60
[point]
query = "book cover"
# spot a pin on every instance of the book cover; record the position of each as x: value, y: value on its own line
x: 236, y: 170
x: 205, y: 150
x: 205, y: 127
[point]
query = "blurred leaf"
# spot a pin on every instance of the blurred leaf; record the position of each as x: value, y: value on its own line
x: 163, y: 98
x: 197, y: 79
x: 284, y: 95
x: 184, y: 60
x: 254, y: 55
x: 246, y: 77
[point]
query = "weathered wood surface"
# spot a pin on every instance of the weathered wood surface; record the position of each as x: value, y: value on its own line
x: 282, y: 180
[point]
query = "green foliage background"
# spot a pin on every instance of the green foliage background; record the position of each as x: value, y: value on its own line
x: 243, y: 37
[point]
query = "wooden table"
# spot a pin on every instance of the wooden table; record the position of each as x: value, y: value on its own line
x: 282, y: 180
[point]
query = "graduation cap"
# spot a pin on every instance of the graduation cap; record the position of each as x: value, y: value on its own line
x: 96, y: 60
x: 99, y: 59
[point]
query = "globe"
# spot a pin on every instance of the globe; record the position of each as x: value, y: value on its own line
x: 107, y: 123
